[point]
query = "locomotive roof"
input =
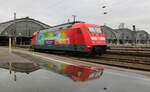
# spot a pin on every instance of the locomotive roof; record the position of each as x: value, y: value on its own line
x: 60, y: 27
x: 69, y: 23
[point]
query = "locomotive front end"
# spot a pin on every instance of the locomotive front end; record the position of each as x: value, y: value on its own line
x: 97, y: 40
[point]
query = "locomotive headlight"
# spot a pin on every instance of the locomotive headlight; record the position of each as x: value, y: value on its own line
x: 89, y: 46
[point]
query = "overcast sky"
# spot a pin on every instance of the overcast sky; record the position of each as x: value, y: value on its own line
x: 53, y: 12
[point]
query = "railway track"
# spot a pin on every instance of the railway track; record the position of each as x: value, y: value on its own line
x: 116, y: 60
x: 128, y: 53
x: 132, y: 51
x: 128, y: 59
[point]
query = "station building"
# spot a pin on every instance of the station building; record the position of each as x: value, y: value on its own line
x: 125, y: 36
x: 142, y: 37
x: 22, y: 29
x: 111, y: 36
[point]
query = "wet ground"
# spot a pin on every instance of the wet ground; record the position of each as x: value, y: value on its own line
x: 20, y: 74
x: 43, y: 79
x: 5, y: 56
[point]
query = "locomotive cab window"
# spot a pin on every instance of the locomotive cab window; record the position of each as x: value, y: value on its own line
x: 79, y: 31
x: 91, y: 29
x: 98, y: 30
x: 95, y: 30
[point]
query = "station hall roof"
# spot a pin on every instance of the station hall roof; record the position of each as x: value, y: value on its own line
x: 6, y: 24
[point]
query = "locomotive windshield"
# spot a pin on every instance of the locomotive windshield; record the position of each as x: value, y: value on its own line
x: 95, y: 30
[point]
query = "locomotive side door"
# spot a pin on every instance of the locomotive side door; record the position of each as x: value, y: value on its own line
x: 78, y: 39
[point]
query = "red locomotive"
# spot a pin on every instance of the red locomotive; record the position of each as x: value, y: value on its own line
x: 71, y: 37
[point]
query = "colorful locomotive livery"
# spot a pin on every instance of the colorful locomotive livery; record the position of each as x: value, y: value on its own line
x: 72, y: 37
x: 53, y: 38
x: 76, y: 73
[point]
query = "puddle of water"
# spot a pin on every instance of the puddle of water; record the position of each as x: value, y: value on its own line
x: 47, y: 77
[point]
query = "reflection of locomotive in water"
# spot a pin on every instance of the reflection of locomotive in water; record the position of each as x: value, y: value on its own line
x: 76, y: 73
x: 71, y: 37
